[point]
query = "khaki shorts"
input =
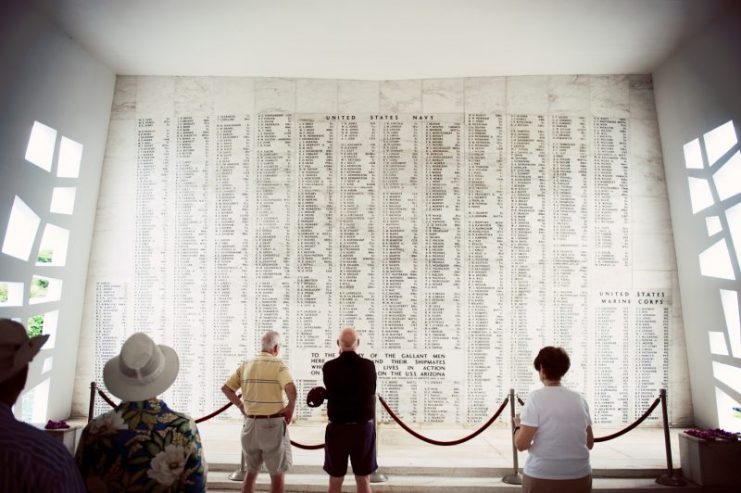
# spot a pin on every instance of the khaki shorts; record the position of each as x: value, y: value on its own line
x: 266, y: 440
x: 537, y: 485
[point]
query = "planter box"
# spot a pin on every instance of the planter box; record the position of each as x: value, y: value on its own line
x: 710, y: 463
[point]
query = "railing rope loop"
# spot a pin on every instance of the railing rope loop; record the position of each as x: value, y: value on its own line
x: 669, y: 478
x: 635, y: 423
x: 223, y: 408
x: 441, y: 442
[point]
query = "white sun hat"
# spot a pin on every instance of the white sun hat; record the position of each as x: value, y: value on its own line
x: 142, y: 370
x: 16, y: 349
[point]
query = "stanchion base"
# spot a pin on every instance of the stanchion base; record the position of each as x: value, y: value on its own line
x: 237, y: 475
x: 378, y: 477
x: 513, y: 478
x: 668, y: 479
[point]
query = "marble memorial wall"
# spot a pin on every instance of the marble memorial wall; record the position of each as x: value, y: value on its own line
x: 459, y: 225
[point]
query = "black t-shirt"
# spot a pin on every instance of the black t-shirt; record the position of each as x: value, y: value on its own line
x: 351, y: 386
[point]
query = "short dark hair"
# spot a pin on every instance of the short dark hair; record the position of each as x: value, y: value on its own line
x: 554, y: 361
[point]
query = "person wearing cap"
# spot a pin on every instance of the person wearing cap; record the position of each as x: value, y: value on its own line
x: 265, y: 438
x: 142, y: 444
x: 350, y: 383
x: 30, y: 460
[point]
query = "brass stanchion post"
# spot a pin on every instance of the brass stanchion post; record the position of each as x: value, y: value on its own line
x: 515, y: 477
x: 377, y: 476
x: 668, y: 478
x: 91, y: 406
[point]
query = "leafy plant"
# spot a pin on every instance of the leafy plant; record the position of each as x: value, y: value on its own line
x: 35, y: 326
x: 44, y: 256
x: 3, y: 292
x: 39, y: 287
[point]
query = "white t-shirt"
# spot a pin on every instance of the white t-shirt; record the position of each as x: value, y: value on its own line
x: 559, y: 449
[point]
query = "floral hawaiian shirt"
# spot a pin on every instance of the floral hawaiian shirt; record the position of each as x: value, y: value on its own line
x: 142, y: 447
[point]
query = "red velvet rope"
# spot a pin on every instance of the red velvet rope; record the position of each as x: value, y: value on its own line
x: 632, y: 425
x: 409, y: 430
x: 107, y: 399
x: 307, y: 447
x: 215, y: 413
x: 220, y: 410
x: 627, y: 428
x: 440, y: 442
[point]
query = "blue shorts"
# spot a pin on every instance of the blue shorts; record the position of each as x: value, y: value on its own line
x: 357, y: 441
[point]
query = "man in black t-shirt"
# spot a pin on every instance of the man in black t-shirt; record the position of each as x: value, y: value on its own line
x: 351, y: 387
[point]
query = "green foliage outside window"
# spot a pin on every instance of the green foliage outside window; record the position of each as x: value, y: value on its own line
x: 35, y: 326
x: 44, y: 256
x: 39, y: 288
x: 3, y: 293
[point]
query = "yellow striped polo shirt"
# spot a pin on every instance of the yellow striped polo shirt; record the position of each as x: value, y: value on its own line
x: 262, y: 381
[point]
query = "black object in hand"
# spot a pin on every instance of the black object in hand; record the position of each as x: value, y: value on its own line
x: 316, y: 396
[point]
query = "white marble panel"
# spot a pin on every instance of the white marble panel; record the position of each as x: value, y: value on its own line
x: 610, y: 95
x: 193, y: 96
x: 610, y: 279
x: 650, y: 215
x: 124, y: 98
x: 116, y: 184
x: 233, y: 95
x: 653, y: 251
x: 442, y: 96
x: 112, y: 243
x: 650, y: 262
x: 401, y: 96
x: 358, y: 96
x: 680, y: 394
x: 155, y: 95
x: 646, y: 165
x: 316, y: 96
x: 485, y: 94
x: 527, y: 95
x: 121, y: 141
x: 83, y: 372
x: 567, y: 94
x: 275, y: 95
x: 642, y: 104
x: 653, y: 279
x: 677, y: 306
x: 114, y: 232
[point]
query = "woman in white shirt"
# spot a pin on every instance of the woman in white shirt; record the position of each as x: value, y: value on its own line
x: 556, y: 430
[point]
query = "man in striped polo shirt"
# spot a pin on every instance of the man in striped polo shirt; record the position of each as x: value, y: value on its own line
x: 265, y: 438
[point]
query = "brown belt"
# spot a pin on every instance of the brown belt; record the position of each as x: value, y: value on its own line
x: 263, y: 416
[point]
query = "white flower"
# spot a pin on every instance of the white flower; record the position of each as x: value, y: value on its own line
x: 107, y: 424
x: 168, y: 465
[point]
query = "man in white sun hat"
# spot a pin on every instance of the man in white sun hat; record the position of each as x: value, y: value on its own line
x: 142, y: 445
x: 29, y: 459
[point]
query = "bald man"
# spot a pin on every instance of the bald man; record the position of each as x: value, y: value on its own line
x: 351, y: 387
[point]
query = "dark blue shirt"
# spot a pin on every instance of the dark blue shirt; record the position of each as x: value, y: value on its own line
x: 33, y: 462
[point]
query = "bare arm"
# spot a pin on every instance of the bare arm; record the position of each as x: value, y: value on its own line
x: 590, y: 438
x: 233, y: 398
x: 287, y: 411
x: 524, y: 437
